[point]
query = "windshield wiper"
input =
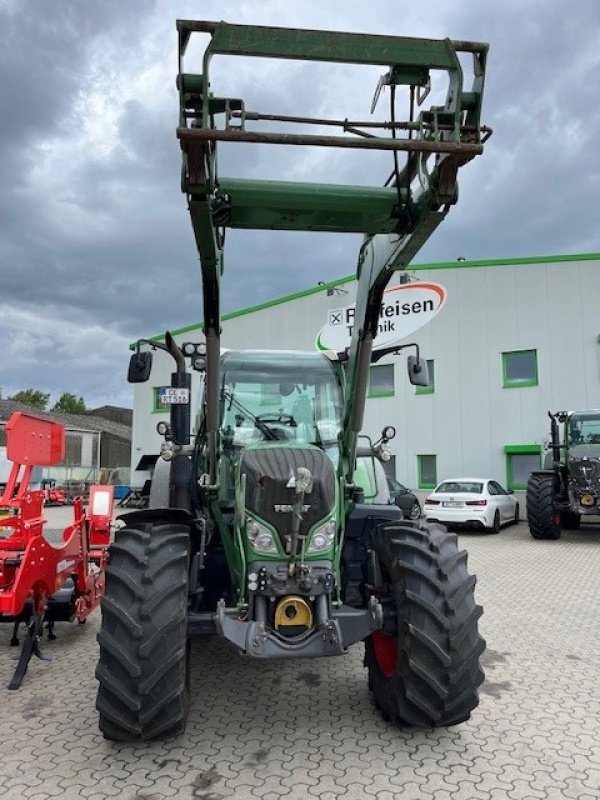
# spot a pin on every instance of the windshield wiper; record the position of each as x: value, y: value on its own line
x: 262, y: 427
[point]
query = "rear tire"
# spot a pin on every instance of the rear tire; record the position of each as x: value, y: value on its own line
x: 543, y: 519
x: 424, y: 666
x: 143, y: 662
x: 517, y: 516
x: 496, y: 523
x: 415, y: 511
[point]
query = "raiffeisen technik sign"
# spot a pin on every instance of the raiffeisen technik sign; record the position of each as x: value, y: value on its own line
x: 404, y: 309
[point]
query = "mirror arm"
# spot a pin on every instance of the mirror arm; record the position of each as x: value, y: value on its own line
x: 170, y: 347
x: 394, y: 350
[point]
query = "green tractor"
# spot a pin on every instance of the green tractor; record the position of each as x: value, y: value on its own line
x: 256, y: 529
x: 568, y: 488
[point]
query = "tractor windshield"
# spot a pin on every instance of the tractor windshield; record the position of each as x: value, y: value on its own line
x: 584, y: 428
x: 583, y: 434
x: 291, y: 396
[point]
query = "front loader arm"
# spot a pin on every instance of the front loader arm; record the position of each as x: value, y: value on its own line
x: 380, y: 256
x: 397, y: 218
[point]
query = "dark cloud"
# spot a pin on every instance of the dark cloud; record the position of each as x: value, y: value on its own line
x: 46, y: 46
x: 96, y: 247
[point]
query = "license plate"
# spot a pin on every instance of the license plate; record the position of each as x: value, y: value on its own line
x: 174, y: 397
x: 452, y: 504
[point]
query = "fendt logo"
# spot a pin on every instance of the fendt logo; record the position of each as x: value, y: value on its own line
x: 404, y: 309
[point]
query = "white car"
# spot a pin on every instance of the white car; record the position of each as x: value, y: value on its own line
x: 472, y: 502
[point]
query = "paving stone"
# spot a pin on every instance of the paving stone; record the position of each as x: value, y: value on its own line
x: 298, y: 730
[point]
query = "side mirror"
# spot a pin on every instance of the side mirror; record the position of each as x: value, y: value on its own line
x: 140, y: 365
x: 418, y: 373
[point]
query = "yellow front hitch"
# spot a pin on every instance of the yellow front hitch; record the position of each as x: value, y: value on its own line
x: 293, y: 610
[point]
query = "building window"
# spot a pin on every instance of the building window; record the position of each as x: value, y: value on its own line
x: 427, y: 472
x: 431, y: 388
x: 381, y: 381
x: 157, y: 405
x: 73, y: 449
x: 519, y: 369
x: 521, y: 461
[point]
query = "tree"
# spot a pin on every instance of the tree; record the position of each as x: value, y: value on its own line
x: 32, y: 397
x: 69, y: 403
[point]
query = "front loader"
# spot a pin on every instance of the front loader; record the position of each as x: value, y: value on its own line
x: 256, y: 530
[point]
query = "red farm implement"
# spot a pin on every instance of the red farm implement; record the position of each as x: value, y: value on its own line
x: 42, y: 581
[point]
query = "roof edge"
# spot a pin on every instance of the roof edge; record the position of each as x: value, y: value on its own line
x: 483, y: 262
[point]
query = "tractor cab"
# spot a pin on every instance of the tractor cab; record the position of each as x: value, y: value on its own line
x: 582, y: 441
x: 582, y: 432
x: 276, y: 396
x: 281, y: 398
x: 574, y: 435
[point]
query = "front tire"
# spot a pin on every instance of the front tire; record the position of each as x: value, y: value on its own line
x: 517, y: 517
x: 543, y: 519
x: 143, y: 662
x: 415, y: 511
x: 424, y: 666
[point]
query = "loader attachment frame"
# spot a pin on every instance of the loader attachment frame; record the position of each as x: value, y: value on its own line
x: 397, y: 218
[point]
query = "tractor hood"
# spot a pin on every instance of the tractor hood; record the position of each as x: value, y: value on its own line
x: 585, y: 469
x: 271, y: 470
x: 584, y: 452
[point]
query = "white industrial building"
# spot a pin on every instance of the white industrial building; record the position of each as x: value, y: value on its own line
x: 514, y: 339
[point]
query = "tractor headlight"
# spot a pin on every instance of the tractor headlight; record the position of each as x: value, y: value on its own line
x: 322, y: 537
x: 384, y: 451
x: 166, y: 451
x: 260, y: 537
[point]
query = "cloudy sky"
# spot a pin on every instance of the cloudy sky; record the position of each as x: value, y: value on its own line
x: 96, y: 247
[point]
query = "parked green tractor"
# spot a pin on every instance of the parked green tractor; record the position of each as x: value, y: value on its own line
x: 256, y: 530
x: 568, y: 488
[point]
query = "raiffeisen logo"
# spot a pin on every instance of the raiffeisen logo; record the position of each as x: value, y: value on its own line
x: 404, y: 310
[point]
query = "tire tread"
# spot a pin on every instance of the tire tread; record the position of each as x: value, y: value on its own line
x: 540, y: 507
x: 439, y: 646
x: 142, y: 667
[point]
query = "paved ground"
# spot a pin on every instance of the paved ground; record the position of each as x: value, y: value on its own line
x: 309, y: 729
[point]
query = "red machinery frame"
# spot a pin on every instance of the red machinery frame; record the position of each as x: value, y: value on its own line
x: 33, y: 572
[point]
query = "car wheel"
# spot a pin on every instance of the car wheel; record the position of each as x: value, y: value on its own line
x: 496, y: 523
x: 415, y: 510
x: 516, y: 517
